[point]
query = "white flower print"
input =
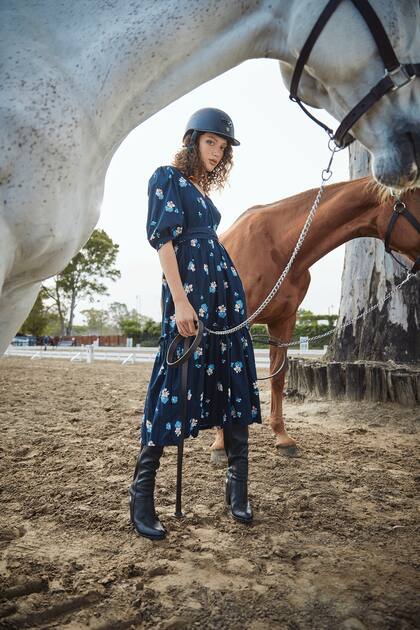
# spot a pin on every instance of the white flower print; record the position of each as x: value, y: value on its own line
x: 254, y: 411
x: 212, y: 287
x: 150, y: 443
x: 195, y: 243
x: 203, y: 311
x: 226, y: 284
x: 198, y: 352
x: 221, y: 311
x: 202, y: 202
x: 239, y: 306
x: 193, y: 422
x: 219, y: 386
x: 191, y: 266
x: 148, y: 426
x: 170, y: 206
x: 178, y: 426
x: 206, y: 268
x: 237, y: 366
x: 244, y: 342
x: 159, y: 193
x: 176, y: 231
x: 189, y: 395
x: 164, y: 396
x: 168, y: 426
x: 172, y: 322
x: 188, y: 288
x: 182, y: 182
x: 223, y: 346
x: 234, y: 272
x: 210, y: 369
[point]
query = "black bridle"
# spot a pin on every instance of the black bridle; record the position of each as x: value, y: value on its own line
x: 401, y: 210
x: 396, y: 74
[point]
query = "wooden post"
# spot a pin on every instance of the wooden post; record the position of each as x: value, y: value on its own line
x: 355, y: 376
x: 335, y: 381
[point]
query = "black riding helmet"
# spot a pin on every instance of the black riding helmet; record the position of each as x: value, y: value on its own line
x: 211, y: 120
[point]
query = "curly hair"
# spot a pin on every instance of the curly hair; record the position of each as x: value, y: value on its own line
x: 189, y: 162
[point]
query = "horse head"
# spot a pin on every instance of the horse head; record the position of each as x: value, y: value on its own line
x: 345, y: 64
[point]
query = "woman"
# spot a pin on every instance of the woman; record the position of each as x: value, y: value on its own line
x: 200, y: 281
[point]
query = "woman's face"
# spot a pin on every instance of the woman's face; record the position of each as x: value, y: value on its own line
x: 211, y: 149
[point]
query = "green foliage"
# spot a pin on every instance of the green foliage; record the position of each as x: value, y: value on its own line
x: 38, y: 319
x: 83, y: 277
x: 307, y: 325
x: 141, y: 329
x: 97, y: 321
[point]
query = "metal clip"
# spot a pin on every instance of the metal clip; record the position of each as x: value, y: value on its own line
x: 399, y: 207
x: 400, y: 74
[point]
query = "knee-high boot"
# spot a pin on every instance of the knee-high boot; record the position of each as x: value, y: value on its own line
x: 236, y: 446
x: 142, y: 503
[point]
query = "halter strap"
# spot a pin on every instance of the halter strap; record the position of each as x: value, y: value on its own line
x: 396, y: 76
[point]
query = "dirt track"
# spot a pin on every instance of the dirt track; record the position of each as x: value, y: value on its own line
x: 333, y: 544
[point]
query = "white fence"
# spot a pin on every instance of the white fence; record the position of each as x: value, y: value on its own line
x: 123, y: 355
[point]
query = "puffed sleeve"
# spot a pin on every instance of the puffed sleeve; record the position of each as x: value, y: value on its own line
x: 165, y: 219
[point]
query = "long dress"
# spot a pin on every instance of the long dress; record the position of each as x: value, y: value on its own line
x: 222, y: 382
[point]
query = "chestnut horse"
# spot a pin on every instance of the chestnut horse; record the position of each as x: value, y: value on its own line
x: 262, y: 240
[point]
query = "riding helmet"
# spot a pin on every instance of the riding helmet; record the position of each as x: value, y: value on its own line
x: 214, y: 121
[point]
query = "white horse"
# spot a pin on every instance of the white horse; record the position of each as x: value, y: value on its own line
x: 78, y: 76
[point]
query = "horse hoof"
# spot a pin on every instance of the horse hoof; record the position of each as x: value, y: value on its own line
x: 289, y: 451
x: 218, y: 457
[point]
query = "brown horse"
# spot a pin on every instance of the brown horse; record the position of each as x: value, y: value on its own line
x: 262, y: 240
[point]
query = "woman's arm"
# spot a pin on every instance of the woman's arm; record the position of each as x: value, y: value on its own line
x: 185, y: 315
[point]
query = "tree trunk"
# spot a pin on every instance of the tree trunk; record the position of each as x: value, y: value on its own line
x: 390, y: 331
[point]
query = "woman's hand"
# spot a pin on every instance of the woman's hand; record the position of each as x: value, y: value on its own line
x: 186, y: 318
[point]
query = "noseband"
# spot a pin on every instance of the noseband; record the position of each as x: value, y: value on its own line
x: 396, y: 74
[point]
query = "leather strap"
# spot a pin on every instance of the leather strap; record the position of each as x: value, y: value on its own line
x: 183, y: 361
x: 400, y: 209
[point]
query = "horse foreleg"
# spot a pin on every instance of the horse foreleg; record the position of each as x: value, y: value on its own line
x: 280, y: 330
x: 15, y: 306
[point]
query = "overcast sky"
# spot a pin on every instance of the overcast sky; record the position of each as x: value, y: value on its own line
x: 282, y: 153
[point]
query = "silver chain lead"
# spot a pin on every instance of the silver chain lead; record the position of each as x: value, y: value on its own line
x: 326, y: 174
x: 355, y: 319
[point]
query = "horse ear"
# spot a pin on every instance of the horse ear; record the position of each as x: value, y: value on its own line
x: 310, y: 91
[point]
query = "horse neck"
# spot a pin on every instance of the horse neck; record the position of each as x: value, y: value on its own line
x: 133, y: 59
x: 347, y: 210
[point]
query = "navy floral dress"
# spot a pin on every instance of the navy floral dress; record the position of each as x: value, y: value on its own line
x: 222, y: 381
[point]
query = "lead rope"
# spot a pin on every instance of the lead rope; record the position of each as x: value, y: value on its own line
x: 325, y: 176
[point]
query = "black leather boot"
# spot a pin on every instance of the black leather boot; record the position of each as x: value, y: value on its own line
x: 236, y: 446
x: 142, y: 503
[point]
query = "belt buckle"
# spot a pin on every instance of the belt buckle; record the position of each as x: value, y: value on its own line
x: 399, y: 74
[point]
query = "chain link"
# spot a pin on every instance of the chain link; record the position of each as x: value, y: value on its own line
x: 326, y: 174
x: 355, y: 319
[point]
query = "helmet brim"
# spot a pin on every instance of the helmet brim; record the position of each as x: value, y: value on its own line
x: 232, y: 141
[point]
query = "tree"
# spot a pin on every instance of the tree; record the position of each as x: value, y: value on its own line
x: 38, y: 319
x: 97, y: 320
x: 118, y: 311
x: 83, y: 277
x: 141, y: 329
x: 391, y: 331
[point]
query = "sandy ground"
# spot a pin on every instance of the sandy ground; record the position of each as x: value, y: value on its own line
x: 333, y: 544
